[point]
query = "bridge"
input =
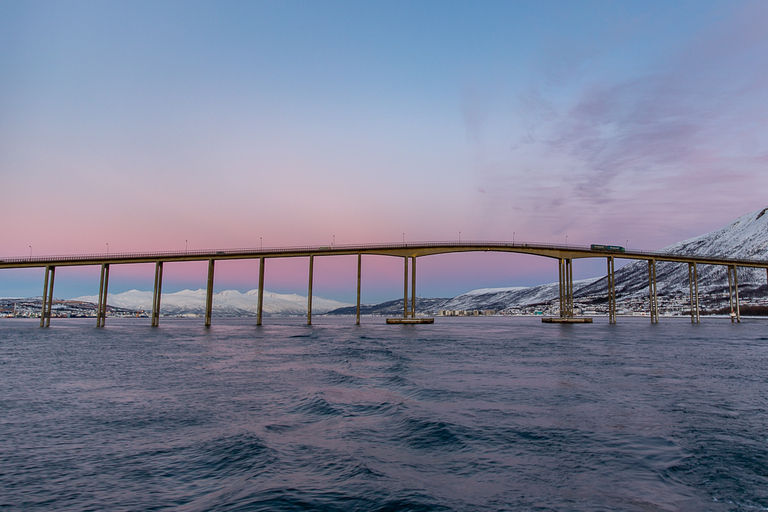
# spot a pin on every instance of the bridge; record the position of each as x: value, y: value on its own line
x: 564, y: 254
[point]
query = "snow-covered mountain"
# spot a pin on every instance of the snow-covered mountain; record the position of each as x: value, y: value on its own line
x: 502, y: 298
x: 226, y: 303
x: 745, y: 238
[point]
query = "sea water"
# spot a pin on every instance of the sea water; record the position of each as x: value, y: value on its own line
x: 466, y: 414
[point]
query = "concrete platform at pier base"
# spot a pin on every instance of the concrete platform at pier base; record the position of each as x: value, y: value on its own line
x: 573, y: 320
x: 410, y: 320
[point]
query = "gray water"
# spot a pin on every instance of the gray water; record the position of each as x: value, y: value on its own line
x: 465, y: 414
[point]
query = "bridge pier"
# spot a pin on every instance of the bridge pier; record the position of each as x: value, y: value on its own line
x: 409, y: 313
x: 566, y: 287
x: 158, y: 291
x: 47, y: 298
x: 359, y: 279
x: 260, y: 306
x: 413, y: 287
x: 733, y: 285
x: 209, y: 294
x: 101, y: 311
x: 652, y: 292
x: 309, y: 292
x: 405, y: 288
x: 693, y: 281
x: 611, y: 291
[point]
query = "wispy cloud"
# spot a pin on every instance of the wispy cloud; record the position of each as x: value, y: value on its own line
x: 683, y: 130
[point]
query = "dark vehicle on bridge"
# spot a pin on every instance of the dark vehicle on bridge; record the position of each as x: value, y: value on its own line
x: 610, y: 248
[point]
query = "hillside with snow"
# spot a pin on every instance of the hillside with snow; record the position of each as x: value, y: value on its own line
x: 225, y: 303
x: 744, y: 238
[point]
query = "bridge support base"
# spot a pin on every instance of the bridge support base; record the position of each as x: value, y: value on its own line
x: 568, y: 320
x: 409, y: 321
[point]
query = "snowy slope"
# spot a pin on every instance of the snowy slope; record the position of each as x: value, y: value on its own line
x: 745, y: 238
x: 501, y: 298
x: 225, y: 303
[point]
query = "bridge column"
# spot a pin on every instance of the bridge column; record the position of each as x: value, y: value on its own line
x: 736, y: 287
x: 413, y: 287
x: 260, y: 306
x: 693, y: 280
x: 611, y: 291
x: 566, y: 288
x: 359, y: 279
x: 561, y: 286
x: 652, y: 292
x: 733, y: 286
x: 101, y: 311
x: 44, y: 297
x: 158, y: 291
x: 209, y: 294
x: 569, y: 288
x: 309, y: 292
x: 405, y: 289
x: 47, y: 298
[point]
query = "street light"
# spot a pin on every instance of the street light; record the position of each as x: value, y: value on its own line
x: 459, y: 236
x: 403, y: 238
x: 566, y: 239
x: 30, y: 251
x: 261, y: 244
x: 107, y: 248
x: 186, y: 245
x: 513, y: 238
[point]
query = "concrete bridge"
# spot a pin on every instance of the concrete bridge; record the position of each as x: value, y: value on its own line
x: 564, y: 254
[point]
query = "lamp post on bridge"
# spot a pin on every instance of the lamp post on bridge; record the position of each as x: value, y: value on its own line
x: 107, y: 248
x: 30, y: 251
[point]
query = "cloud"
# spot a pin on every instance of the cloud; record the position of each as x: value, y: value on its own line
x: 688, y: 126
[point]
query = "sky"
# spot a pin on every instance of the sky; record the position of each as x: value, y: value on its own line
x: 149, y: 126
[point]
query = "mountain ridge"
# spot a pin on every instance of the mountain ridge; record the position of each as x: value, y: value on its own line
x: 225, y: 303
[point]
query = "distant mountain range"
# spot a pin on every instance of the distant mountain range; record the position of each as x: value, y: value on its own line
x: 226, y: 303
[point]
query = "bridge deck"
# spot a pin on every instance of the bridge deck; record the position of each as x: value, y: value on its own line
x: 418, y: 249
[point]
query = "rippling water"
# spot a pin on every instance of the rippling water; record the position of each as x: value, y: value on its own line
x: 465, y: 414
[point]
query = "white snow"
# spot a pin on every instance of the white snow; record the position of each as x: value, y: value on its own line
x: 228, y: 302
